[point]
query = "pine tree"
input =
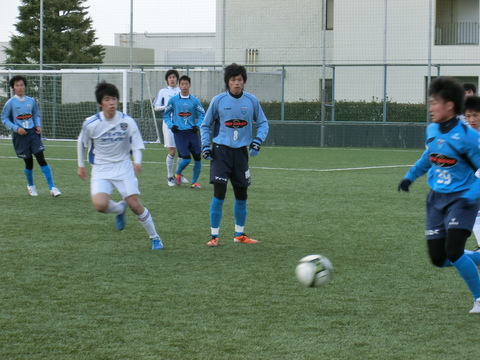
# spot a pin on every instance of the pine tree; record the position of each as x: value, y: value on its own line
x: 67, y: 34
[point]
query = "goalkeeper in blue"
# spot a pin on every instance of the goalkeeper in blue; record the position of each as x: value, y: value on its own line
x: 450, y: 160
x: 21, y: 116
x: 183, y: 115
x: 112, y: 137
x: 229, y: 124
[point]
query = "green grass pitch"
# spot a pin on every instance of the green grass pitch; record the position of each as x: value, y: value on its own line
x: 72, y: 287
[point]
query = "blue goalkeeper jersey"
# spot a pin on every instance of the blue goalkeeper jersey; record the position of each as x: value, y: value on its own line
x: 451, y: 158
x: 21, y: 112
x: 229, y: 121
x: 185, y: 112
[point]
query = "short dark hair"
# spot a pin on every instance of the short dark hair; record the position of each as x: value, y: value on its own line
x: 233, y: 70
x: 105, y: 89
x: 470, y: 87
x: 472, y: 103
x: 16, y: 78
x: 170, y: 72
x: 448, y: 89
x: 186, y: 78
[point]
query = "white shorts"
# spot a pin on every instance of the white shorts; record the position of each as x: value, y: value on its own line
x: 118, y: 175
x: 168, y: 138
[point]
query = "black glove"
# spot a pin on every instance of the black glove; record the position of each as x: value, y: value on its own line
x: 404, y: 185
x: 255, y: 146
x: 207, y: 153
x: 174, y: 129
x: 195, y: 129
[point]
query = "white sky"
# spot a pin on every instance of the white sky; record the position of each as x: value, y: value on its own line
x: 113, y: 16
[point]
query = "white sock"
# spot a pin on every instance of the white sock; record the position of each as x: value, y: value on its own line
x: 169, y: 161
x: 146, y: 220
x: 114, y: 207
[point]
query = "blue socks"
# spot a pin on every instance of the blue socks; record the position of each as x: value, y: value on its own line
x: 216, y: 211
x: 29, y: 176
x: 469, y: 273
x: 240, y: 213
x: 47, y: 172
x: 197, y: 166
x: 182, y: 165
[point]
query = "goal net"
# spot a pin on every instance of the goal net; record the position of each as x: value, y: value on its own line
x: 67, y: 97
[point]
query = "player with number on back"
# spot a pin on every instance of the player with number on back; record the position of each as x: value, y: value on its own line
x: 111, y: 136
x: 182, y: 115
x: 451, y: 158
x: 229, y: 121
x: 21, y: 116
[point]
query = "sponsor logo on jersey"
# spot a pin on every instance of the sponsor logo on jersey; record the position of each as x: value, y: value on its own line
x: 22, y: 117
x: 185, y: 114
x: 124, y: 126
x: 455, y: 136
x: 441, y: 160
x: 236, y: 123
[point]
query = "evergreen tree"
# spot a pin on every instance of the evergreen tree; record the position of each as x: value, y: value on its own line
x: 67, y: 34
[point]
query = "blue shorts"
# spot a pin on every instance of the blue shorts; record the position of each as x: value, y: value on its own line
x: 448, y: 211
x: 28, y: 144
x: 187, y: 142
x: 230, y: 164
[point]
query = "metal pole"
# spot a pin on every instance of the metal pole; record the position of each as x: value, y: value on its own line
x: 324, y: 55
x: 224, y: 20
x: 429, y: 78
x: 131, y: 35
x: 384, y: 115
x: 282, y: 106
x: 41, y: 34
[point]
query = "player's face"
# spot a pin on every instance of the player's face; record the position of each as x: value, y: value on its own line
x: 184, y: 87
x: 109, y: 106
x: 19, y: 88
x: 473, y: 118
x: 235, y: 84
x: 172, y: 80
x: 469, y: 93
x: 441, y: 110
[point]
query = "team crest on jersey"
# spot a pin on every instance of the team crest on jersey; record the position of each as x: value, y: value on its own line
x: 441, y: 160
x: 124, y: 126
x: 236, y: 123
x: 243, y: 110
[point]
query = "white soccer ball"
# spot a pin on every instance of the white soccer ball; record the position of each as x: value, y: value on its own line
x: 314, y: 270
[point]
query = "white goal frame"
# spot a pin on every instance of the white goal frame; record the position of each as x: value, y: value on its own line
x: 126, y: 88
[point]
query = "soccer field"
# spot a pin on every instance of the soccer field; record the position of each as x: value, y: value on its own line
x: 72, y: 287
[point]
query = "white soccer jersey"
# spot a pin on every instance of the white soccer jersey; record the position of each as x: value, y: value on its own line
x: 109, y: 141
x: 161, y: 101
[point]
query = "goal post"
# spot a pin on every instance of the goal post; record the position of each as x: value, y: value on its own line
x: 67, y: 97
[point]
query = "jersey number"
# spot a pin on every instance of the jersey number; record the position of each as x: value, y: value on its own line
x: 443, y: 177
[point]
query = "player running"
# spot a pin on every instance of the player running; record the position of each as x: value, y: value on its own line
x: 111, y: 136
x: 229, y: 121
x: 451, y: 158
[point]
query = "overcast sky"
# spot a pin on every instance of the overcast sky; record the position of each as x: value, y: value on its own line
x: 113, y: 16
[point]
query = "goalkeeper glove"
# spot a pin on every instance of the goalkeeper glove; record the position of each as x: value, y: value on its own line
x: 255, y: 146
x: 195, y: 129
x: 174, y: 129
x: 207, y: 153
x: 404, y: 185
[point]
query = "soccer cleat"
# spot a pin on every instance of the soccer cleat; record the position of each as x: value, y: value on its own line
x: 476, y: 307
x: 244, y: 239
x: 196, y: 186
x: 120, y: 218
x: 156, y: 243
x: 178, y: 179
x: 171, y: 181
x: 184, y: 180
x: 32, y: 190
x: 213, y: 241
x: 55, y: 192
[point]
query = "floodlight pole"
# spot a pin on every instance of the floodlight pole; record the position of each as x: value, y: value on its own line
x: 324, y: 55
x: 131, y: 35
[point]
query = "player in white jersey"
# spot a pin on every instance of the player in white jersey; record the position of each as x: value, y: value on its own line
x: 111, y: 136
x: 160, y: 103
x: 471, y: 111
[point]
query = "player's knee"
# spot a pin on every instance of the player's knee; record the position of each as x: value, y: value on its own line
x: 197, y: 157
x: 438, y: 260
x: 187, y: 157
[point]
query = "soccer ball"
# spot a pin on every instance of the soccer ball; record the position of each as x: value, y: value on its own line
x: 314, y: 270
